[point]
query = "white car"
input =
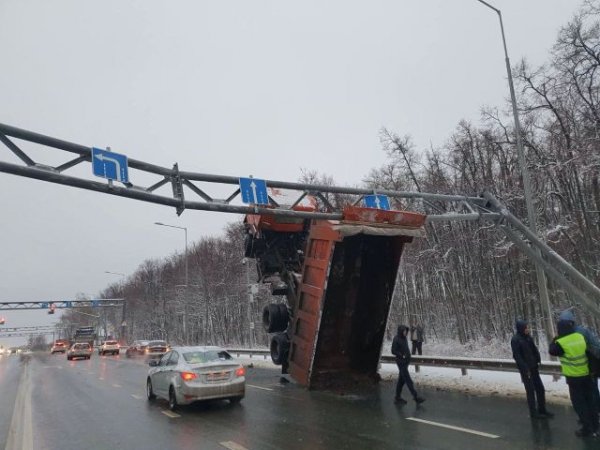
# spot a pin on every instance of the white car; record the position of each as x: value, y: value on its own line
x: 111, y: 347
x: 186, y: 375
x: 80, y: 350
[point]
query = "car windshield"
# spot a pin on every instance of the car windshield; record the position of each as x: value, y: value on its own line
x: 111, y: 342
x: 157, y: 344
x: 200, y: 357
x: 81, y: 346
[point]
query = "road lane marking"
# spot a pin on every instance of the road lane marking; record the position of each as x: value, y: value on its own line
x: 20, y: 433
x: 137, y: 397
x: 232, y: 445
x: 101, y: 379
x: 259, y: 387
x: 117, y: 385
x: 170, y: 414
x: 452, y: 427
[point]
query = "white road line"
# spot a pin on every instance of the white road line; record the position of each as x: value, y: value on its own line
x: 170, y: 414
x: 137, y: 397
x: 259, y: 387
x: 452, y: 427
x: 20, y: 433
x: 101, y: 379
x: 232, y: 445
x: 116, y: 385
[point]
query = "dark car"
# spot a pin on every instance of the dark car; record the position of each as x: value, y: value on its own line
x: 137, y: 348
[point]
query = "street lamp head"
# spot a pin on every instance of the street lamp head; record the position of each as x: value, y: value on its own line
x: 158, y: 223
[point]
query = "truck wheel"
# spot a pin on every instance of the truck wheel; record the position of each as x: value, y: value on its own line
x: 248, y: 246
x: 280, y: 346
x: 275, y: 317
x: 284, y: 316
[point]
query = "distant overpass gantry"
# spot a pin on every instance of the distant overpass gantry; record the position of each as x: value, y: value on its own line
x: 64, y: 304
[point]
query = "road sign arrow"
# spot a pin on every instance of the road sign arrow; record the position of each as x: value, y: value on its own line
x: 253, y: 186
x: 116, y: 162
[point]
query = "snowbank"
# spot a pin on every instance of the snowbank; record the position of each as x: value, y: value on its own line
x: 476, y: 382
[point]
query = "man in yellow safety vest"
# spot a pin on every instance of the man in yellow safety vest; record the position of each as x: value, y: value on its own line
x: 570, y: 347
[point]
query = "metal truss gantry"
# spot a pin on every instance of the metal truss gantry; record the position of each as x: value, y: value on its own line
x: 438, y: 207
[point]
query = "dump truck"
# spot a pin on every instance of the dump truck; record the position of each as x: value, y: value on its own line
x: 336, y: 280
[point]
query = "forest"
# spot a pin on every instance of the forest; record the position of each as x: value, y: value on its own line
x: 465, y: 282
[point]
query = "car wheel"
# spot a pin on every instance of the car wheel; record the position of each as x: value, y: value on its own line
x: 69, y: 358
x: 149, y: 392
x: 172, y: 399
x: 236, y: 400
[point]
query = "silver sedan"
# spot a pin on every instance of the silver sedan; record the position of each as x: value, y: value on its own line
x: 186, y: 375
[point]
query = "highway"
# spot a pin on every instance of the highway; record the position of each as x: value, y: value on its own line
x: 51, y: 403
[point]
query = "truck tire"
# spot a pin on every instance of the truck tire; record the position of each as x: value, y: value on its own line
x: 248, y: 246
x: 275, y: 317
x: 280, y: 345
x: 283, y: 315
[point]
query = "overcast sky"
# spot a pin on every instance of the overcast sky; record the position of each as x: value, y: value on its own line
x: 234, y: 87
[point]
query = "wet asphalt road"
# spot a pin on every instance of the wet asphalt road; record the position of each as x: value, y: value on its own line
x: 10, y: 371
x: 101, y: 404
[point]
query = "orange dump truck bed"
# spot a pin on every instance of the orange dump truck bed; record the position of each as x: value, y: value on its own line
x: 341, y: 308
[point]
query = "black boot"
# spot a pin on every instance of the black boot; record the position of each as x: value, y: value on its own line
x: 419, y: 400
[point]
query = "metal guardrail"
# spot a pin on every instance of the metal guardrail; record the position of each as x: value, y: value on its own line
x: 498, y: 365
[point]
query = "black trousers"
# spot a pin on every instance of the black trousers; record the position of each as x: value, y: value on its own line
x: 404, y: 378
x: 581, y: 391
x: 417, y: 346
x: 596, y: 392
x: 534, y: 388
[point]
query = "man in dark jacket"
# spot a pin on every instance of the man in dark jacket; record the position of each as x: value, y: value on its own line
x: 570, y: 346
x: 402, y: 353
x: 417, y: 336
x: 527, y: 357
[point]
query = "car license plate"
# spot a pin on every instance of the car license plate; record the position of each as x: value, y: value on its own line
x: 217, y: 376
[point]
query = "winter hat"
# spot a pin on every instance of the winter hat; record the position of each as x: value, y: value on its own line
x: 521, y: 325
x: 565, y: 327
x: 567, y: 314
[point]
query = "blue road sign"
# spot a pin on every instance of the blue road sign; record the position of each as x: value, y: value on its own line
x: 68, y: 304
x: 109, y: 165
x: 95, y: 303
x: 377, y: 201
x: 254, y: 191
x: 44, y: 305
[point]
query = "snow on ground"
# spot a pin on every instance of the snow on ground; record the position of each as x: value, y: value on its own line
x: 479, y: 382
x: 476, y: 382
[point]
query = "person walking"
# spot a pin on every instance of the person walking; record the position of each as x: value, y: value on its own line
x: 592, y: 349
x: 570, y: 347
x: 417, y: 336
x: 402, y: 353
x: 527, y: 357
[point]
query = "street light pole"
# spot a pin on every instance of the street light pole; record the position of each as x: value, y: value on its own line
x: 123, y: 310
x: 250, y: 301
x: 185, y: 310
x: 541, y: 276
